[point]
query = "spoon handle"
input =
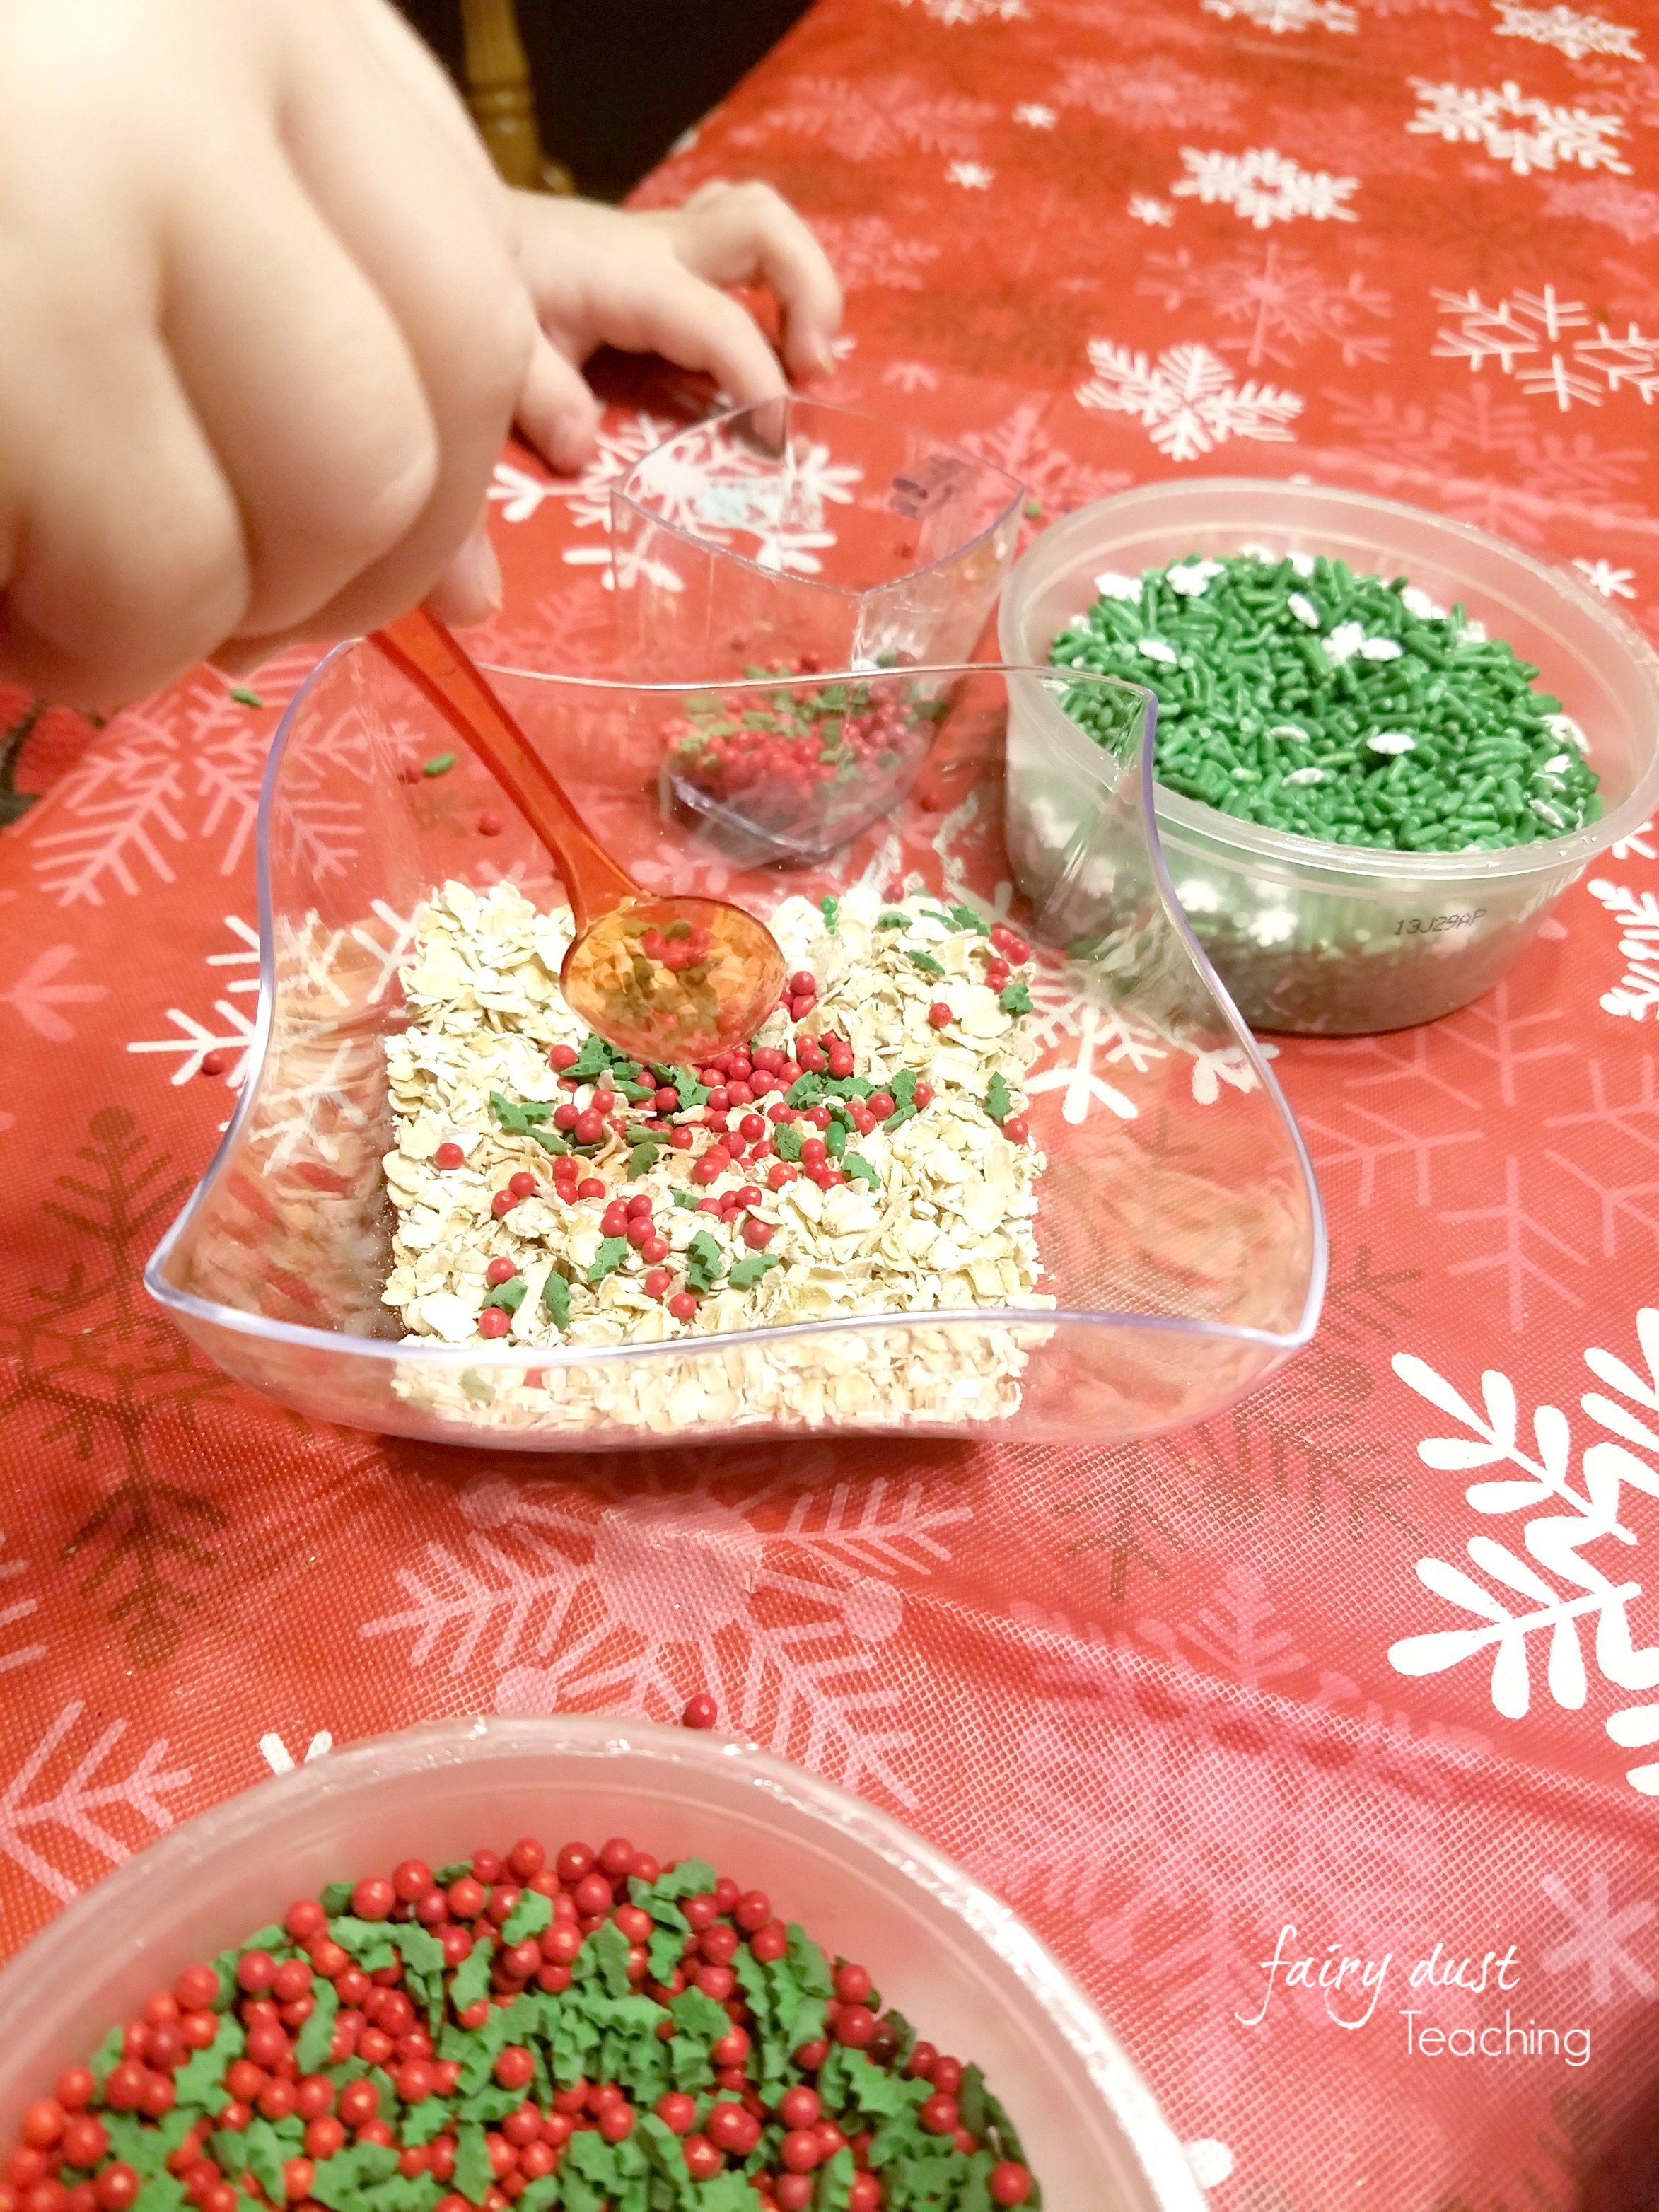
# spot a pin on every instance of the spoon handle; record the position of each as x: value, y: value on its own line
x: 420, y: 645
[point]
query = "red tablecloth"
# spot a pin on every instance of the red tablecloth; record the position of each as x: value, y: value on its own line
x: 1405, y: 244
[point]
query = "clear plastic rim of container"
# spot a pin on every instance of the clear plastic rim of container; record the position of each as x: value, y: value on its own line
x: 395, y: 1351
x: 620, y: 495
x: 1281, y: 849
x: 47, y: 1968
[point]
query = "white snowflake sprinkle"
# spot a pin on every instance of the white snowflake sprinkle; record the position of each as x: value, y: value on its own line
x: 1303, y: 775
x: 1188, y: 401
x: 1112, y: 585
x: 1306, y: 613
x: 1264, y: 187
x: 1154, y: 649
x: 1612, y: 583
x: 1392, y: 741
x: 1192, y: 578
x: 1419, y: 602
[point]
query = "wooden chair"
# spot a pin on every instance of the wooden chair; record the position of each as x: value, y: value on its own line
x: 500, y: 94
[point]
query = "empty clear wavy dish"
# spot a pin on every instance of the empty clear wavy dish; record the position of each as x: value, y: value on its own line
x: 1179, y: 1223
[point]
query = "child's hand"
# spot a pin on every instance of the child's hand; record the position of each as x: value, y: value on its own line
x: 263, y: 334
x: 650, y: 283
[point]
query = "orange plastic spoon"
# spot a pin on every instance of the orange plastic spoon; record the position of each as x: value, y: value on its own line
x: 671, y: 979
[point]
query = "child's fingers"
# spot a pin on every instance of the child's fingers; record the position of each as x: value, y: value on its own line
x: 431, y: 233
x: 332, y: 471
x: 662, y: 307
x: 557, y: 411
x: 735, y: 233
x: 121, y: 549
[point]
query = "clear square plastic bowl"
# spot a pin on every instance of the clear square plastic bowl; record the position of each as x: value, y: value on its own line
x: 1319, y: 938
x: 954, y: 1958
x: 1178, y: 1219
x: 796, y: 534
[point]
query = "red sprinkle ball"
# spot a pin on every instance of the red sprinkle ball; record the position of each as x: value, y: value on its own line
x: 425, y: 2025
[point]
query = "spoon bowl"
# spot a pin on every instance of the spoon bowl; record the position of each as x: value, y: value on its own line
x: 673, y: 979
x: 659, y: 976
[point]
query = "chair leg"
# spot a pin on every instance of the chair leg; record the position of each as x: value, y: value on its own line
x: 498, y: 91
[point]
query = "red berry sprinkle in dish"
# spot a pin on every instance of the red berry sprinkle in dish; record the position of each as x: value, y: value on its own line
x: 420, y: 2033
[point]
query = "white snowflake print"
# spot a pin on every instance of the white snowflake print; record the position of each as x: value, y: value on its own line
x: 1035, y: 116
x: 1158, y: 92
x: 41, y: 1828
x: 972, y: 176
x: 1155, y: 214
x: 233, y: 1037
x: 867, y: 251
x: 621, y: 446
x: 1612, y: 584
x: 43, y: 989
x: 1636, y: 844
x: 1596, y: 1943
x: 1188, y: 401
x: 281, y: 1760
x: 777, y: 1603
x: 519, y: 494
x: 1263, y: 186
x: 1576, y: 35
x: 1020, y: 444
x: 870, y: 118
x: 1280, y: 17
x: 1183, y: 1835
x: 1544, y: 1596
x: 1636, y: 995
x: 1528, y: 134
x: 123, y: 806
x: 1540, y: 339
x: 911, y: 375
x: 971, y: 11
x: 12, y: 1655
x: 1634, y: 213
x: 1279, y: 298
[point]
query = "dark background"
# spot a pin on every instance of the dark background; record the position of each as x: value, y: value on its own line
x: 618, y: 81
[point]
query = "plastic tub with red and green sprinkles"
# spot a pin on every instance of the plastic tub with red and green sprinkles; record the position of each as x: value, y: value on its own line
x: 368, y: 2050
x: 581, y: 2029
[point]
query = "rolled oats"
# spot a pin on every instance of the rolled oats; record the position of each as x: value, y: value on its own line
x: 937, y: 1217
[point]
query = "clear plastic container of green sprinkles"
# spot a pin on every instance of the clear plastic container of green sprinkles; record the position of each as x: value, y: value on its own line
x: 1312, y: 935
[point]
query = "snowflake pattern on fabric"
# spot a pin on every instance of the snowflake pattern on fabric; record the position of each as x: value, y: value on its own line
x: 1155, y: 95
x: 40, y: 1830
x: 1180, y: 1797
x: 1020, y: 443
x: 15, y: 1654
x: 1188, y: 401
x: 970, y: 11
x: 1562, y: 1523
x: 778, y: 1602
x: 1636, y: 995
x: 871, y: 120
x: 1575, y: 35
x: 228, y: 1031
x: 1282, y: 300
x: 44, y: 988
x: 1532, y: 338
x: 1529, y: 134
x: 867, y: 251
x: 1596, y: 1942
x: 1280, y: 17
x: 1263, y: 186
x: 1633, y: 213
